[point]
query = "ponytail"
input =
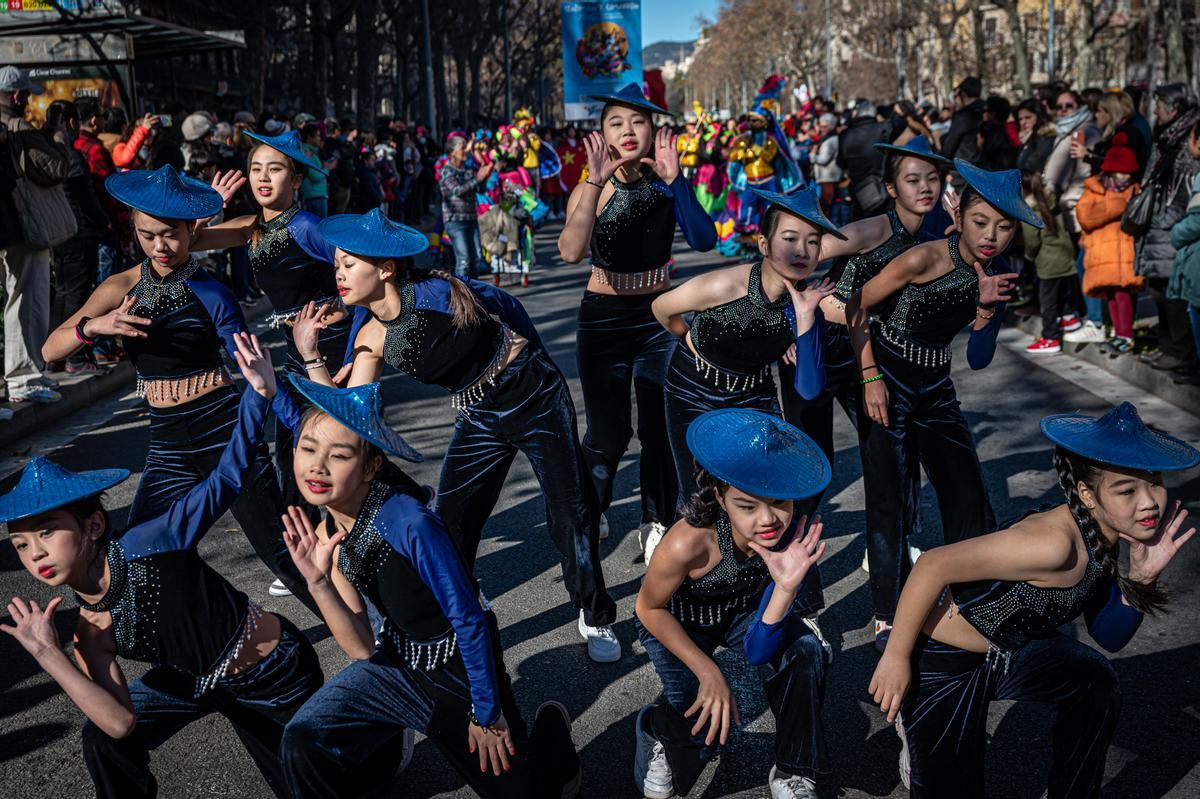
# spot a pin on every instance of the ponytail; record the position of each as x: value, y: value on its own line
x: 465, y: 308
x: 1073, y: 470
x: 702, y: 509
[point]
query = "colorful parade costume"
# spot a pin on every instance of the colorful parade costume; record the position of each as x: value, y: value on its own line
x: 172, y: 610
x: 192, y: 316
x: 760, y: 158
x: 944, y: 714
x: 438, y: 660
x: 761, y: 455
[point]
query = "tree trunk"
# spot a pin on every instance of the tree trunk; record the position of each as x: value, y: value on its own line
x: 460, y: 74
x: 442, y: 103
x: 1151, y: 55
x: 1020, y: 54
x: 1085, y: 32
x: 977, y: 39
x: 319, y: 76
x: 1173, y: 28
x: 366, y: 47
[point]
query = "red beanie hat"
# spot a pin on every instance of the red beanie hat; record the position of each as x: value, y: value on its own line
x: 1120, y: 156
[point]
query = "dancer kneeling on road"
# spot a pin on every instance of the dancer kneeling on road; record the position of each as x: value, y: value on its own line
x: 477, y: 342
x: 147, y: 595
x: 438, y: 666
x: 979, y: 620
x: 726, y: 575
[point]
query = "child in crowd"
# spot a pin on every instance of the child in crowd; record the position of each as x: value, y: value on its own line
x: 1108, y: 253
x: 1053, y: 253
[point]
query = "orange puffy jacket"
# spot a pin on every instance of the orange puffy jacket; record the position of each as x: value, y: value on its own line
x: 1107, y: 250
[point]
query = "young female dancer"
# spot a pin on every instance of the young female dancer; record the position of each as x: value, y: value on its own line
x: 438, y: 667
x: 940, y: 287
x: 174, y: 318
x: 978, y: 620
x: 912, y: 174
x: 745, y: 319
x: 625, y: 212
x: 146, y: 595
x: 721, y: 578
x: 511, y: 397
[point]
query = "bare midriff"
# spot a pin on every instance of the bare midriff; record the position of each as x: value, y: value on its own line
x: 263, y: 641
x: 602, y: 281
x: 167, y: 393
x: 946, y: 625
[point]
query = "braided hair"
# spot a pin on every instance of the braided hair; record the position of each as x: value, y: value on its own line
x: 465, y: 308
x: 702, y: 509
x: 1073, y: 470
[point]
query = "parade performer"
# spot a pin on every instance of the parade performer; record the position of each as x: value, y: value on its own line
x: 726, y: 575
x: 625, y: 212
x: 572, y: 156
x: 712, y: 182
x: 291, y: 262
x: 174, y: 317
x: 980, y: 620
x: 146, y: 595
x: 760, y: 158
x: 688, y: 146
x: 914, y: 181
x: 904, y: 359
x: 745, y: 318
x: 438, y: 666
x: 478, y: 343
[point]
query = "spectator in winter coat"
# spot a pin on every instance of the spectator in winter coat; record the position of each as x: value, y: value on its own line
x: 1185, y: 279
x: 960, y: 140
x: 862, y: 162
x: 1169, y: 175
x: 1036, y: 134
x: 826, y: 172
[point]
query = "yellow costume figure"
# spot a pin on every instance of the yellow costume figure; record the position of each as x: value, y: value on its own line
x: 756, y: 153
x: 687, y: 144
x: 523, y: 118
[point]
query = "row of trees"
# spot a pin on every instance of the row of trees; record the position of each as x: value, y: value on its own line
x: 919, y: 49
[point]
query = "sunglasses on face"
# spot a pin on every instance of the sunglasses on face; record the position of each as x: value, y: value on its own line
x: 1066, y: 107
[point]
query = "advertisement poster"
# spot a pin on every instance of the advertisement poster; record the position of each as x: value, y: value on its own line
x: 602, y: 51
x: 72, y: 81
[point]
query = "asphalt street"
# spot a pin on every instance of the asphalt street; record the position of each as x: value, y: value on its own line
x: 1157, y: 745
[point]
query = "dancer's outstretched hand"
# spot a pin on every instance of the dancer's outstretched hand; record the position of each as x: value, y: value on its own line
x: 806, y: 300
x: 255, y: 363
x: 307, y: 327
x: 312, y: 556
x: 494, y: 745
x: 603, y: 160
x: 120, y: 321
x: 715, y: 705
x: 890, y: 683
x: 1147, y: 559
x: 666, y: 158
x: 227, y: 184
x: 34, y: 628
x: 789, y: 566
x: 994, y: 288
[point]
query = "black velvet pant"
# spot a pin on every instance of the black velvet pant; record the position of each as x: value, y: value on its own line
x: 619, y: 345
x: 528, y: 409
x: 258, y: 703
x: 925, y: 426
x: 794, y: 682
x: 945, y: 713
x: 186, y: 442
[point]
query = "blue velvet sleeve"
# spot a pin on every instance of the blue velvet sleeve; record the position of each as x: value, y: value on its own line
x: 507, y: 307
x: 419, y: 535
x: 360, y: 318
x: 693, y: 220
x: 303, y: 228
x: 1110, y: 621
x: 288, y: 408
x: 981, y: 347
x: 187, y: 519
x: 763, y: 640
x: 810, y: 359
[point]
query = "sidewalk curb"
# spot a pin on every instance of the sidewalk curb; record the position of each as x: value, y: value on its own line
x: 1126, y: 367
x: 30, y: 418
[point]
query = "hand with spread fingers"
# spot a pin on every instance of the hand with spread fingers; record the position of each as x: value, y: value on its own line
x: 34, y: 626
x: 121, y: 321
x: 1147, y: 559
x: 312, y: 555
x: 790, y: 565
x: 665, y: 162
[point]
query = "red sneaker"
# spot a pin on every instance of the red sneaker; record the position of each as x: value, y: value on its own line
x: 1047, y: 346
x: 1069, y: 323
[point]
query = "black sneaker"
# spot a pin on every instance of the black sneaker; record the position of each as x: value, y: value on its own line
x: 551, y: 734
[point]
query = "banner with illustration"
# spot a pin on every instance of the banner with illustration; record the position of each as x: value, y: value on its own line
x: 602, y: 51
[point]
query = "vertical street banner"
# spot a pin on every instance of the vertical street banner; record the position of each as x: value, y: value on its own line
x: 602, y: 51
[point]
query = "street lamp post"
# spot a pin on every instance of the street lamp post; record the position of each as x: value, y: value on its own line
x: 1050, y: 45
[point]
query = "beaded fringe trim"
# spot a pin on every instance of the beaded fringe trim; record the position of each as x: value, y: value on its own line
x: 728, y: 381
x: 930, y: 357
x: 422, y: 655
x: 475, y: 392
x: 204, y: 684
x: 624, y: 281
x: 705, y: 615
x: 157, y: 390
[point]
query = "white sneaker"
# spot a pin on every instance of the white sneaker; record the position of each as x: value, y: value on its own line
x: 905, y: 765
x: 651, y: 771
x: 866, y: 564
x: 1088, y: 333
x: 791, y: 786
x: 602, y: 643
x: 913, y: 554
x: 279, y: 589
x: 649, y: 534
x: 6, y: 414
x: 603, y: 527
x: 33, y: 393
x: 410, y: 741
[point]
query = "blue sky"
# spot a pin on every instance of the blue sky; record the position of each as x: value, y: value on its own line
x: 674, y: 20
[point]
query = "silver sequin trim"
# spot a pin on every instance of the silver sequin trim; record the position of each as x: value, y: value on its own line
x: 421, y: 655
x: 627, y: 281
x: 206, y: 683
x: 159, y: 297
x: 737, y: 583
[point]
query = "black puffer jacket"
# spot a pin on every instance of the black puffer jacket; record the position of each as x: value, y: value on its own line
x: 1170, y: 172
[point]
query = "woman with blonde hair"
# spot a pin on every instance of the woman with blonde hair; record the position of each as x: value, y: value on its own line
x: 1114, y: 115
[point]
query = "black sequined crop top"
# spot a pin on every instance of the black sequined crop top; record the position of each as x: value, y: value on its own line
x: 189, y: 312
x: 424, y: 343
x: 735, y: 585
x: 288, y: 266
x: 1010, y: 614
x: 745, y: 334
x: 636, y: 229
x: 860, y: 268
x: 932, y: 313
